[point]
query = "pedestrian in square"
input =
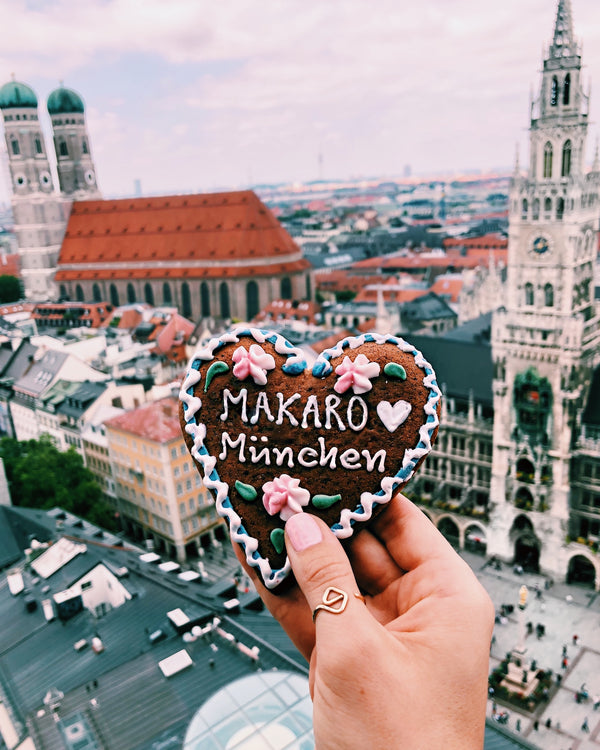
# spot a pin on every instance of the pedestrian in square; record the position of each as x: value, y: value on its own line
x: 585, y: 727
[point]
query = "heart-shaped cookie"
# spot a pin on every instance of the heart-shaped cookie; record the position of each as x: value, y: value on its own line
x: 272, y: 437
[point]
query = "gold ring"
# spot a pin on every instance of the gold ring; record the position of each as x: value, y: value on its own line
x: 334, y: 601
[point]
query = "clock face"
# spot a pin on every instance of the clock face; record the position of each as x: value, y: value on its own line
x: 540, y: 245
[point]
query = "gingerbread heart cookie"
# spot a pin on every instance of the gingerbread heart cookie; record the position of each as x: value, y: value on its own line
x: 272, y: 437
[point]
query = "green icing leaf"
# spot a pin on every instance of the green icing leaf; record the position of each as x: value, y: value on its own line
x: 325, y: 501
x: 394, y: 370
x: 278, y: 540
x: 246, y: 491
x: 215, y: 369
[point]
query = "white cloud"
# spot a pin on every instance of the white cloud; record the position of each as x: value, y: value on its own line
x: 213, y: 92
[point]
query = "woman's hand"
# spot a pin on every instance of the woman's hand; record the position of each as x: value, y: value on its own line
x: 406, y: 669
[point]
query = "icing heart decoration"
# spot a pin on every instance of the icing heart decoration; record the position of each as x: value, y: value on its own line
x: 393, y: 416
x: 272, y: 436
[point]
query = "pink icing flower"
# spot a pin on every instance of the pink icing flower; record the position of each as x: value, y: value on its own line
x: 253, y: 363
x: 356, y: 374
x: 284, y: 496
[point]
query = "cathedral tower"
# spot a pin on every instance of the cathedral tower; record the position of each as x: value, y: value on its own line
x: 76, y: 172
x: 546, y: 339
x: 39, y: 214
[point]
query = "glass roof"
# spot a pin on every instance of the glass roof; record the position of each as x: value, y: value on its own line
x: 263, y: 711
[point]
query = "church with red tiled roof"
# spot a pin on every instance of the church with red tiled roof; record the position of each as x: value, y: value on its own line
x: 221, y: 255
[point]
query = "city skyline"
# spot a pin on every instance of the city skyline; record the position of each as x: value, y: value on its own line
x: 201, y: 96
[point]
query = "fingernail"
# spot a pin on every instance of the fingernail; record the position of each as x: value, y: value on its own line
x: 303, y: 531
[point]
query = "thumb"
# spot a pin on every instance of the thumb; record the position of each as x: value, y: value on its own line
x: 325, y: 576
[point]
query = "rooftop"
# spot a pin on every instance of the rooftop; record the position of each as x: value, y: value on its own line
x: 157, y: 421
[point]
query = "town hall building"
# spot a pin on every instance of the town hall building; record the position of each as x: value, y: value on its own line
x: 516, y: 470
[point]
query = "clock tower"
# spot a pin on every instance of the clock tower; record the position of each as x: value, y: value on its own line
x: 546, y: 339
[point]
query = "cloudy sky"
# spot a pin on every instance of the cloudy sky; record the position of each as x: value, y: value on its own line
x: 194, y: 95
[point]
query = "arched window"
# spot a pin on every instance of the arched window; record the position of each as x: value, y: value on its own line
x: 79, y: 293
x: 529, y: 294
x: 549, y: 295
x: 286, y: 288
x: 14, y: 147
x: 536, y: 209
x: 565, y: 169
x: 186, y: 300
x: 84, y: 146
x: 252, y: 306
x: 114, y: 295
x: 224, y: 300
x: 560, y: 208
x: 554, y: 91
x: 130, y: 293
x: 62, y: 149
x: 38, y: 146
x: 548, y: 160
x: 567, y: 89
x: 148, y: 294
x: 63, y: 293
x: 96, y: 293
x: 524, y: 209
x: 204, y: 300
x: 167, y: 298
x: 308, y: 287
x: 547, y: 205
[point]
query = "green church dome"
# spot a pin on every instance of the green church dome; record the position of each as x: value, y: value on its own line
x: 64, y: 101
x: 15, y: 94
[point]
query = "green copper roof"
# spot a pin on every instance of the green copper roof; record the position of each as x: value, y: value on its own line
x: 64, y: 101
x: 15, y: 94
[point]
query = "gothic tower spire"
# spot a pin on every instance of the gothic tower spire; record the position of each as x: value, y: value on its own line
x: 563, y: 43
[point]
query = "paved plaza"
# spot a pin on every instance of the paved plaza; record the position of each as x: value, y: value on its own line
x: 564, y: 611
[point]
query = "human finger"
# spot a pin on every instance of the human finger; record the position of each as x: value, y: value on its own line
x: 371, y: 562
x: 289, y: 609
x: 409, y: 536
x: 323, y: 572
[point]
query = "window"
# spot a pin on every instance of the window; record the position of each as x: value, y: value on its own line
x: 84, y: 146
x: 547, y: 205
x: 191, y: 503
x: 529, y: 294
x: 565, y: 169
x: 188, y: 484
x: 148, y: 294
x: 62, y: 149
x: 14, y: 147
x: 176, y: 471
x: 38, y: 146
x: 182, y: 509
x: 167, y: 296
x: 549, y: 295
x: 286, y: 288
x: 224, y: 300
x: 173, y: 453
x: 186, y: 300
x: 252, y: 304
x: 536, y: 209
x: 204, y: 300
x: 567, y: 89
x: 560, y: 208
x: 554, y: 92
x: 179, y: 488
x: 524, y: 209
x: 548, y: 160
x: 130, y: 294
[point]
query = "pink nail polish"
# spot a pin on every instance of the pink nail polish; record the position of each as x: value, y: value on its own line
x: 303, y: 531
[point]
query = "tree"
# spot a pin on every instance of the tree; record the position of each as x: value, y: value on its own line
x: 10, y: 289
x: 41, y: 476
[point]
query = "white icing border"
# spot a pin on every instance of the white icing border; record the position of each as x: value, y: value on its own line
x: 321, y: 367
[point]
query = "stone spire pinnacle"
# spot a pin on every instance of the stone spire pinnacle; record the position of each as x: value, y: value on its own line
x: 563, y: 43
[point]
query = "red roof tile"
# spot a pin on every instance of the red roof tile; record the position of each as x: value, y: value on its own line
x: 217, y: 228
x: 158, y: 421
